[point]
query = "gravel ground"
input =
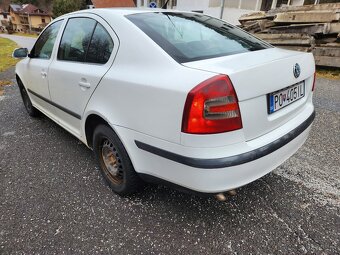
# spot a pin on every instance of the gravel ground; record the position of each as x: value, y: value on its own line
x: 54, y: 200
x: 8, y: 75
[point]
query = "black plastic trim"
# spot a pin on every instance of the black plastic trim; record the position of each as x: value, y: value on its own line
x: 56, y: 105
x: 233, y: 160
x: 158, y: 181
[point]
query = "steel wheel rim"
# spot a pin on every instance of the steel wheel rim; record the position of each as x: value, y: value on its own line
x: 112, y: 162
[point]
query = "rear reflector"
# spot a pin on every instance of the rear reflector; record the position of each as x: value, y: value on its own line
x: 314, y: 82
x: 212, y: 107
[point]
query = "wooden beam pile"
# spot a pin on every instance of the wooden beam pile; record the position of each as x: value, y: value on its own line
x: 309, y: 28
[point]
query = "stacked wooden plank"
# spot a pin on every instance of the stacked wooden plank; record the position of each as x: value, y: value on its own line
x: 310, y: 28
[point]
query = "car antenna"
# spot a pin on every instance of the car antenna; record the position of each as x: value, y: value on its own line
x: 165, y: 5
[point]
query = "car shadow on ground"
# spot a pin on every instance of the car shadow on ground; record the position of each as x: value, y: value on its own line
x: 268, y: 191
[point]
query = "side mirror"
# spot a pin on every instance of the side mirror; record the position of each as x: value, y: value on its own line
x: 20, y: 53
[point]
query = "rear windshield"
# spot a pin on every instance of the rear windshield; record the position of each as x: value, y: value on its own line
x: 189, y: 36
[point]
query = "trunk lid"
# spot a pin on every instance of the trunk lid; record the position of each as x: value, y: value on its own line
x: 256, y: 74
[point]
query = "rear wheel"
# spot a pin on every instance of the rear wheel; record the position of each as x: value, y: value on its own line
x: 31, y: 110
x: 114, y: 162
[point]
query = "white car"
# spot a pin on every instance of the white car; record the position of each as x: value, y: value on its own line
x: 170, y: 96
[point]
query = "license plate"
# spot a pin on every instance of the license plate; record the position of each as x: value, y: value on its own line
x: 281, y: 98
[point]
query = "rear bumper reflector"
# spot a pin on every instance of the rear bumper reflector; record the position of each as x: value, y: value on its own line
x: 232, y: 160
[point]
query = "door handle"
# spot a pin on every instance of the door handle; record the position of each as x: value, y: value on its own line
x: 84, y: 84
x: 43, y: 74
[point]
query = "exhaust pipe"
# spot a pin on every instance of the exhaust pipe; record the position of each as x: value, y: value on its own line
x: 221, y: 197
x: 232, y: 192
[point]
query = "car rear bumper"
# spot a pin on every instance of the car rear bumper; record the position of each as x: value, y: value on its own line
x: 217, y: 174
x: 235, y: 160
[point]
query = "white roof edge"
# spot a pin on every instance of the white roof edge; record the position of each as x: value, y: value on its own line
x: 123, y: 11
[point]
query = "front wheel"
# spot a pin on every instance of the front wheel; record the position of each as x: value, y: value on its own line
x: 114, y: 162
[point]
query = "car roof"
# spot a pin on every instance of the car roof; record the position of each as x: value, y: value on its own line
x: 122, y: 11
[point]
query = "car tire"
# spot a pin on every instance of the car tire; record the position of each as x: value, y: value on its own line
x: 114, y: 162
x: 31, y: 110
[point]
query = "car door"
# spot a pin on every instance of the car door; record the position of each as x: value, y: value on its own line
x: 85, y: 54
x: 38, y: 62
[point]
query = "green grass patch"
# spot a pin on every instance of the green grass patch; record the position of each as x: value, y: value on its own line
x: 328, y: 73
x: 6, y: 49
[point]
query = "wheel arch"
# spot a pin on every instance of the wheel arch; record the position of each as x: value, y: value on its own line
x: 19, y: 81
x: 91, y: 122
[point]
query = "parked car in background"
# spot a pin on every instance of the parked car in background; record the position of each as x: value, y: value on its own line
x: 171, y: 96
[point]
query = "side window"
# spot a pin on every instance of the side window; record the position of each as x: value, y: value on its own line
x: 101, y: 46
x: 76, y: 39
x: 44, y: 46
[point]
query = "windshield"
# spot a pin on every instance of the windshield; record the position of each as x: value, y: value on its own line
x: 189, y: 36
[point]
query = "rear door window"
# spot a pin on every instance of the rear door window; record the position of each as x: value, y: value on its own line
x: 101, y: 46
x: 76, y: 39
x: 85, y: 40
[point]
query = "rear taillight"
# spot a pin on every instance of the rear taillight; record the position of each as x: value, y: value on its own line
x: 212, y: 107
x: 314, y: 82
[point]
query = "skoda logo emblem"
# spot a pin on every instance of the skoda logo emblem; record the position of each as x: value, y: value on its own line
x: 296, y: 70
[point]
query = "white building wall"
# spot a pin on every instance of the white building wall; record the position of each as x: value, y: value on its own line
x: 232, y: 11
x: 231, y: 15
x: 3, y: 18
x: 7, y: 19
x: 297, y: 2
